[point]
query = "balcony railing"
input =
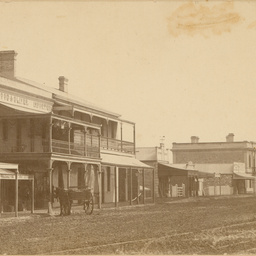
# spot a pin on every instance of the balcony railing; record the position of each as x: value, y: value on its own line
x: 14, y: 146
x: 117, y: 145
x: 90, y: 148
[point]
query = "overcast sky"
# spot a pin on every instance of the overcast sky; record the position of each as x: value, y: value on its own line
x: 175, y: 68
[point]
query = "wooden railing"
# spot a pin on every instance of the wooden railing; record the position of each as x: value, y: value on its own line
x: 117, y: 145
x: 90, y: 148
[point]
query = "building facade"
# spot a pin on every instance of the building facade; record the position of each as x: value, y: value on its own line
x: 152, y: 156
x: 170, y: 180
x: 65, y: 141
x: 234, y: 160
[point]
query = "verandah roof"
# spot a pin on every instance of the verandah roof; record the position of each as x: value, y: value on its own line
x: 122, y: 161
x: 169, y: 170
x: 243, y: 176
x: 8, y: 172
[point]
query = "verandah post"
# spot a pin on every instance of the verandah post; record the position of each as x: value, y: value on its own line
x: 16, y: 193
x: 116, y: 169
x: 143, y: 182
x: 32, y: 197
x: 153, y: 185
x: 99, y: 185
x: 130, y: 185
x: 50, y: 188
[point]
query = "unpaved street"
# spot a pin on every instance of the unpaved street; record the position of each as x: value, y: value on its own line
x: 187, y: 226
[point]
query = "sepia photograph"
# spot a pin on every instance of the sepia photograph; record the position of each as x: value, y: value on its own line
x: 127, y: 127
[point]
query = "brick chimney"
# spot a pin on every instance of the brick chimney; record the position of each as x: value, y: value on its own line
x: 7, y: 63
x: 194, y: 139
x: 230, y: 137
x: 63, y: 84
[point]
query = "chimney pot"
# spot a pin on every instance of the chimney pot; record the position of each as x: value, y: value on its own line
x: 63, y: 84
x: 7, y: 63
x: 194, y: 139
x: 230, y: 137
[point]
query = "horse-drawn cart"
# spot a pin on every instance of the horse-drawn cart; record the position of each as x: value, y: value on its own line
x: 82, y: 195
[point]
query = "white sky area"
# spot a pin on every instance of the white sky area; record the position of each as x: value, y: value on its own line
x: 121, y: 55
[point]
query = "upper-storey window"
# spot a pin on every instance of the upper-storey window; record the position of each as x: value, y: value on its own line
x: 250, y: 162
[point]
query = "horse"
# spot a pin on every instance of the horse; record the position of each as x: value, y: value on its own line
x: 65, y: 202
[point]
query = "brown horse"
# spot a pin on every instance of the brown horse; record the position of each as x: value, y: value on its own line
x: 65, y: 203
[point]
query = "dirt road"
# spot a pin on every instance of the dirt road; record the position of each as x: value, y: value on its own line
x: 194, y: 226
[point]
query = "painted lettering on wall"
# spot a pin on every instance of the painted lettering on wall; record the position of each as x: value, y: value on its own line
x: 23, y: 101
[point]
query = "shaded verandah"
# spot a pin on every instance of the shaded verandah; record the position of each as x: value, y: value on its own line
x: 177, y: 182
x: 239, y: 180
x: 10, y: 172
x: 74, y: 175
x: 126, y: 181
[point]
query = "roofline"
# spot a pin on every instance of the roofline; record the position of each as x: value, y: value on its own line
x: 83, y: 105
x: 57, y: 94
x: 189, y: 143
x: 4, y: 84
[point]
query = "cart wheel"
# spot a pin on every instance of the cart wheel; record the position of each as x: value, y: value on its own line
x: 88, y: 205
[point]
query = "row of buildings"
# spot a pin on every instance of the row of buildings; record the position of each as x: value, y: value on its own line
x: 58, y: 140
x: 202, y: 168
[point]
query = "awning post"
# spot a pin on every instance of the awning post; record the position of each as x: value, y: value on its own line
x: 143, y: 182
x: 153, y: 185
x: 116, y: 169
x: 99, y: 185
x: 50, y: 191
x: 130, y: 185
x: 32, y: 198
x: 16, y: 193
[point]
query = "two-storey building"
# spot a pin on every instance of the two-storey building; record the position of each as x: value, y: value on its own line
x: 170, y: 180
x: 231, y: 162
x: 65, y: 141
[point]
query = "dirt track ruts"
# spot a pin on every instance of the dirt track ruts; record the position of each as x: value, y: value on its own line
x: 199, y: 226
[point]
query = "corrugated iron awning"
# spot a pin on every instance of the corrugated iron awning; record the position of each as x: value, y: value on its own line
x: 243, y: 176
x: 123, y: 161
x: 165, y: 169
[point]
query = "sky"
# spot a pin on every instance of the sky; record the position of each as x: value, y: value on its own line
x: 175, y: 68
